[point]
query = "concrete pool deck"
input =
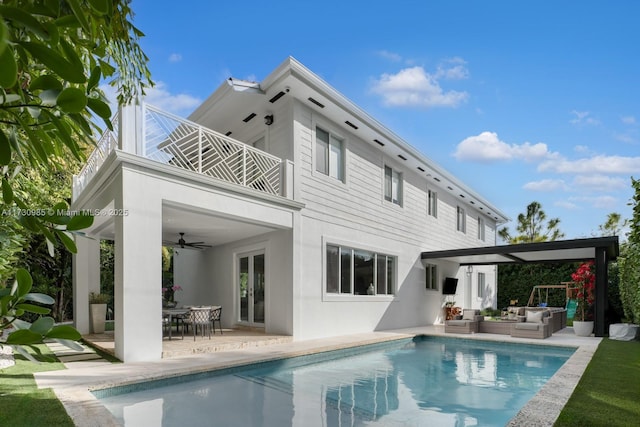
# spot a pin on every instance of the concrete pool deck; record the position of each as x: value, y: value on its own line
x: 73, y: 386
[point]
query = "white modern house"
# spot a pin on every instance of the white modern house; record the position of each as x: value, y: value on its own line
x: 314, y: 216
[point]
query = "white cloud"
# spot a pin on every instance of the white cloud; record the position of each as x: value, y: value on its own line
x: 583, y: 118
x: 158, y: 96
x: 566, y: 204
x: 175, y: 57
x: 453, y: 69
x: 391, y: 56
x: 416, y: 88
x: 598, y: 182
x: 546, y: 185
x: 581, y: 149
x: 487, y: 147
x: 598, y: 202
x: 628, y: 120
x: 595, y: 164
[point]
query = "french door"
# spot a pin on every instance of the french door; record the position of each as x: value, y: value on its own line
x: 251, y: 282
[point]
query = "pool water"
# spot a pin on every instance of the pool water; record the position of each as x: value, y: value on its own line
x: 427, y: 381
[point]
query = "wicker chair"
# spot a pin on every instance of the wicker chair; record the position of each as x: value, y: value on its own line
x: 215, y: 315
x: 468, y: 324
x: 199, y: 316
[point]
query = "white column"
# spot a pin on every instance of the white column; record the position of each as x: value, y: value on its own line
x: 138, y: 271
x: 130, y: 128
x: 86, y: 279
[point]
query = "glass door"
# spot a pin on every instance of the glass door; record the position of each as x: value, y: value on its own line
x: 251, y: 281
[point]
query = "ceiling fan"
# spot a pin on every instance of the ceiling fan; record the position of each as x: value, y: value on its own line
x: 184, y: 244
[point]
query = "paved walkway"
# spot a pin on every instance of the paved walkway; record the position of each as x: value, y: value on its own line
x: 77, y: 359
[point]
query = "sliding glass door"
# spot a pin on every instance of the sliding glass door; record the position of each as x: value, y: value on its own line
x: 251, y: 281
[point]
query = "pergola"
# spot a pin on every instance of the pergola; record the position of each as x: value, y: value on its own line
x: 600, y: 249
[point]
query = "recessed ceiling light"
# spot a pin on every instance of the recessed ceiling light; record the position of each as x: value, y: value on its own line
x: 318, y: 103
x: 351, y: 124
x: 249, y: 117
x: 276, y: 97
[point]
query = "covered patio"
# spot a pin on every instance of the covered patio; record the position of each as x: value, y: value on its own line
x: 602, y: 250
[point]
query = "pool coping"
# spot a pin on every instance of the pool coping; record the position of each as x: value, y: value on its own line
x: 74, y: 387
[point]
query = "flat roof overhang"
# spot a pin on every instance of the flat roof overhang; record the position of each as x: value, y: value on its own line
x: 541, y: 252
x: 600, y: 249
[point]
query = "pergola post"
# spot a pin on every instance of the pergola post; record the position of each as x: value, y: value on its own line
x: 602, y: 284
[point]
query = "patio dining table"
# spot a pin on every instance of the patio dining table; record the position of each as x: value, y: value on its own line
x: 173, y: 313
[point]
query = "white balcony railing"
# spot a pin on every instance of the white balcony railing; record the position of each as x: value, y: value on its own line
x: 174, y: 141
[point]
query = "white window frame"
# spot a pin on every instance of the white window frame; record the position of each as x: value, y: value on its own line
x: 461, y: 219
x: 432, y: 203
x: 335, y: 140
x: 392, y: 185
x: 482, y: 280
x: 431, y: 277
x: 329, y: 297
x: 481, y: 230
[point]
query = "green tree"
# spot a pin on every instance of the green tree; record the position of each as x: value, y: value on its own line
x: 533, y: 226
x: 53, y: 55
x: 613, y: 225
x: 629, y: 261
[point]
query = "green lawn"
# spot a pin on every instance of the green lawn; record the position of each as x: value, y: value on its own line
x: 22, y: 403
x: 608, y: 393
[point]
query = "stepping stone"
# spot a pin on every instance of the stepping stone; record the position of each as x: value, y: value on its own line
x: 78, y: 357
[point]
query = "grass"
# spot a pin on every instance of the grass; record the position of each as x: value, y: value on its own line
x: 21, y: 402
x: 608, y: 393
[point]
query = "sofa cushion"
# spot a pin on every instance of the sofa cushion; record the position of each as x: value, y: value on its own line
x: 534, y: 316
x: 529, y: 326
x: 457, y: 322
x: 469, y: 314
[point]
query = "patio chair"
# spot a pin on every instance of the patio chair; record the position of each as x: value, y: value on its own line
x: 535, y: 325
x: 198, y: 316
x: 468, y: 324
x: 215, y: 314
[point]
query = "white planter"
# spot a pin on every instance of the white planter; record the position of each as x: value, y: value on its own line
x: 98, y: 316
x: 583, y: 328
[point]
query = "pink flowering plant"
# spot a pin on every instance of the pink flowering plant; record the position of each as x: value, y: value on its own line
x: 169, y: 292
x: 585, y: 281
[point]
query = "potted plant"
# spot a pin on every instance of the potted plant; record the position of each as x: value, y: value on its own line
x: 585, y: 281
x: 98, y: 311
x: 169, y: 295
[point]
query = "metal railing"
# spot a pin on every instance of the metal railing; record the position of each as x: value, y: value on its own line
x: 174, y: 141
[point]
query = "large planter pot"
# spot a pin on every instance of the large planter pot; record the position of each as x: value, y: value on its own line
x: 583, y: 328
x: 97, y: 316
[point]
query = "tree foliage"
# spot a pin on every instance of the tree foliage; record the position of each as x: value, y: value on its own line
x: 629, y: 261
x: 613, y: 225
x: 533, y: 226
x: 53, y: 55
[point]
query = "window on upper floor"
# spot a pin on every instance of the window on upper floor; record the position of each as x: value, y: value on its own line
x: 392, y: 185
x: 431, y: 279
x: 329, y: 154
x: 359, y: 272
x: 461, y: 219
x: 432, y: 203
x: 481, y: 284
x: 481, y: 235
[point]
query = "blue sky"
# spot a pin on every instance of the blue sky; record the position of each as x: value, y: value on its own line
x: 522, y: 100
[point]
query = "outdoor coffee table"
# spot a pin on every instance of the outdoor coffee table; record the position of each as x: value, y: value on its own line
x: 502, y: 326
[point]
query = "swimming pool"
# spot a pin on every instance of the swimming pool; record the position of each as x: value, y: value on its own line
x: 425, y: 381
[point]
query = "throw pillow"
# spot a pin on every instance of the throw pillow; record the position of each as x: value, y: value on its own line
x: 534, y: 316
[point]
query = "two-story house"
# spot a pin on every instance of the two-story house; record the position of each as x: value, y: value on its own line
x: 312, y: 216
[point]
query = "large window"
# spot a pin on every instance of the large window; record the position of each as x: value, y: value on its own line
x: 329, y: 154
x: 392, y: 185
x: 481, y: 285
x: 480, y: 228
x: 359, y: 272
x: 432, y: 203
x: 431, y: 276
x: 461, y: 219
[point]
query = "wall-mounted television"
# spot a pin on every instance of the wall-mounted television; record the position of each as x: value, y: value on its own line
x: 450, y: 285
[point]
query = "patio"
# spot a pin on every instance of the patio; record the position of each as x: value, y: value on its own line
x: 231, y: 339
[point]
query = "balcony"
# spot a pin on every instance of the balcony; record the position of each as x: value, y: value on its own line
x: 162, y: 137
